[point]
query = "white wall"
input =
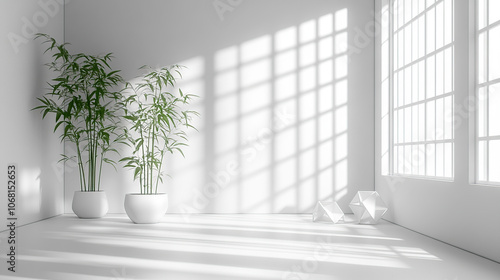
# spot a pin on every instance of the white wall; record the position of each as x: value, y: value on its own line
x: 243, y: 64
x: 459, y: 212
x: 27, y: 140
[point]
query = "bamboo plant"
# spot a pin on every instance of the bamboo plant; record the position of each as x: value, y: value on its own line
x: 159, y: 122
x: 84, y: 100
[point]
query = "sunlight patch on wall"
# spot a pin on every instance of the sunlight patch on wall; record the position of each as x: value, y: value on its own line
x: 29, y: 190
x: 280, y: 112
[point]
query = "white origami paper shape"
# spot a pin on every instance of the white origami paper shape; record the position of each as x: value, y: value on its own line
x: 328, y: 211
x: 368, y: 207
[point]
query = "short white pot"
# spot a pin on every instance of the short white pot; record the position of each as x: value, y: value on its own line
x: 146, y: 208
x: 90, y: 205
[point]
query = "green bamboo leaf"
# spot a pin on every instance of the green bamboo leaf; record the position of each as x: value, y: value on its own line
x: 138, y: 170
x: 57, y: 125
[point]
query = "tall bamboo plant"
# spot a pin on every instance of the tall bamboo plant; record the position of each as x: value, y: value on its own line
x: 86, y: 105
x: 159, y: 121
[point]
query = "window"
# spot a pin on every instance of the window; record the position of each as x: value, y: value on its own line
x: 488, y: 91
x: 422, y: 88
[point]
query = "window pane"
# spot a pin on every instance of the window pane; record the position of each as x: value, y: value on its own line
x: 395, y: 119
x: 448, y: 70
x: 481, y: 14
x: 401, y: 89
x: 421, y: 122
x: 481, y: 58
x: 494, y: 161
x: 431, y: 77
x: 421, y: 153
x: 448, y: 21
x: 448, y: 160
x: 494, y: 11
x: 431, y: 35
x: 408, y: 159
x: 414, y: 8
x: 395, y: 161
x: 400, y: 12
x: 408, y: 82
x: 439, y: 25
x: 407, y: 11
x: 401, y: 123
x: 431, y: 159
x: 481, y: 161
x: 482, y: 107
x: 494, y: 110
x: 421, y: 6
x: 407, y: 45
x: 421, y: 36
x: 414, y: 124
x: 415, y: 82
x: 400, y: 49
x: 407, y: 127
x: 439, y: 73
x: 395, y: 97
x: 414, y: 34
x: 439, y: 119
x: 494, y: 53
x: 431, y: 121
x: 415, y: 159
x: 421, y: 76
x: 440, y: 160
x: 401, y: 160
x: 448, y: 117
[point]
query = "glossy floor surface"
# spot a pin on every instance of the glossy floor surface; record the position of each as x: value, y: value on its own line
x: 235, y: 247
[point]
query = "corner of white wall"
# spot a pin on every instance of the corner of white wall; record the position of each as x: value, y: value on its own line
x: 26, y: 140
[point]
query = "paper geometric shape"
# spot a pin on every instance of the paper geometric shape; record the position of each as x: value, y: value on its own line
x: 368, y: 207
x: 327, y: 211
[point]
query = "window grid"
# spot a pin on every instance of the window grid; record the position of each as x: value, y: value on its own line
x: 487, y: 92
x: 422, y: 141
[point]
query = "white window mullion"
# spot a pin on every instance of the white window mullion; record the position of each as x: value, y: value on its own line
x: 487, y: 93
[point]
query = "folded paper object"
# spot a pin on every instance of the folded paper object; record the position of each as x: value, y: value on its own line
x: 368, y: 207
x: 327, y: 211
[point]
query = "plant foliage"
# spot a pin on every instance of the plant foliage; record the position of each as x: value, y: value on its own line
x: 85, y: 106
x: 159, y: 122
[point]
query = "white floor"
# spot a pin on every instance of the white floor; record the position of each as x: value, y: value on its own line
x: 235, y: 247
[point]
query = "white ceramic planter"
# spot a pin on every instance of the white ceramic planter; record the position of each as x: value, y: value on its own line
x: 146, y: 208
x: 90, y: 205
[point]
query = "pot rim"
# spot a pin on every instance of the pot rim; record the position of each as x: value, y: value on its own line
x: 145, y: 194
x: 101, y: 191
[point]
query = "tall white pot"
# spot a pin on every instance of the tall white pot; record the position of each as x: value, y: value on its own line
x: 146, y: 208
x: 90, y: 205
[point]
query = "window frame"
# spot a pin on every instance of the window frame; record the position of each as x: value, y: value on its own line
x: 392, y: 127
x: 478, y: 85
